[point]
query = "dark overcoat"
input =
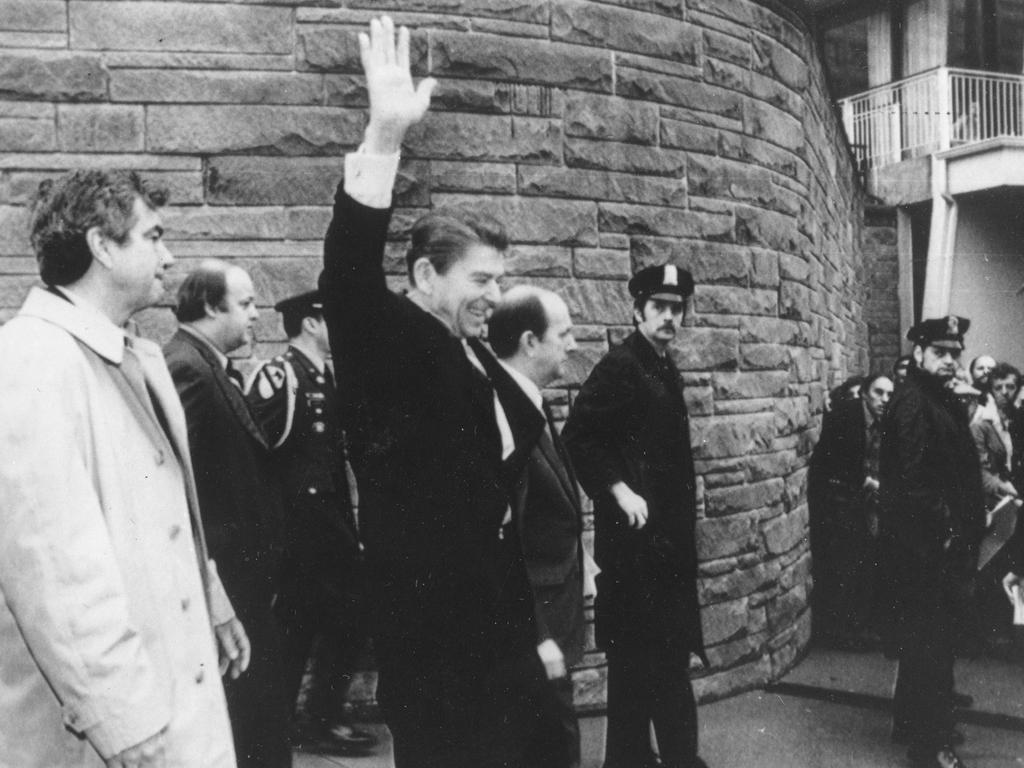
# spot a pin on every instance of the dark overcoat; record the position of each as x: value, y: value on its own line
x: 426, y: 450
x: 932, y: 505
x: 630, y: 423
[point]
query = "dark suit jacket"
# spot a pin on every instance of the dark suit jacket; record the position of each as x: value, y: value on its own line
x: 426, y: 451
x: 550, y: 521
x: 838, y: 458
x: 236, y: 480
x: 630, y: 423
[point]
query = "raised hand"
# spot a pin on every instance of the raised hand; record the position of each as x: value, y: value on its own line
x: 395, y: 104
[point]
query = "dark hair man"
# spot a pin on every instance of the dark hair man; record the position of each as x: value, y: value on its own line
x: 531, y: 333
x: 294, y: 400
x: 842, y: 495
x: 434, y: 445
x: 629, y: 437
x: 105, y: 619
x: 933, y: 511
x: 238, y: 491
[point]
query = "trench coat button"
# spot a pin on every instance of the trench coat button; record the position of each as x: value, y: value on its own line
x: 185, y: 603
x: 160, y: 458
x: 175, y: 531
x: 312, y: 491
x: 199, y: 677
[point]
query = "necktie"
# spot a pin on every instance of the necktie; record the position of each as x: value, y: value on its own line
x: 235, y: 376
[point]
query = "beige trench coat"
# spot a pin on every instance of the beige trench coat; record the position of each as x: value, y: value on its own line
x: 105, y: 612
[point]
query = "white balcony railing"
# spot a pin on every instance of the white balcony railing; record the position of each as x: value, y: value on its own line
x: 930, y: 112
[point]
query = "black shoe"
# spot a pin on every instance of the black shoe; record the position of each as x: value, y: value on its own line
x: 962, y: 700
x: 900, y: 735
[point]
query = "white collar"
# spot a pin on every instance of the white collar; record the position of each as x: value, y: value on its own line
x: 79, y: 318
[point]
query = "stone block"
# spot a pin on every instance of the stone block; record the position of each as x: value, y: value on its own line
x: 768, y: 465
x: 539, y: 100
x: 498, y: 178
x: 539, y: 260
x: 593, y: 116
x: 14, y: 288
x: 737, y: 582
x: 700, y: 401
x: 651, y: 86
x: 710, y: 176
x: 221, y: 223
x: 757, y: 226
x: 726, y: 536
x: 732, y: 48
x: 772, y: 124
x: 598, y: 301
x: 52, y: 77
x: 729, y: 620
x: 784, y: 610
x: 656, y: 220
x: 755, y: 405
x: 556, y: 181
x: 725, y: 299
x: 100, y: 128
x: 33, y: 15
x: 753, y: 674
x: 25, y: 135
x: 730, y: 653
x: 536, y: 220
x: 484, y: 96
x: 692, y: 137
x: 706, y: 349
x: 485, y: 137
x: 785, y: 532
x: 629, y: 158
x: 601, y: 263
x: 184, y: 86
x: 272, y: 130
x: 589, y: 23
x: 179, y: 26
x: 795, y: 301
x: 738, y: 384
x: 773, y: 59
x: 763, y: 357
x: 708, y: 262
x: 723, y: 436
x: 490, y: 57
x: 272, y: 181
x: 744, y: 498
x: 764, y: 268
x: 529, y: 11
x: 773, y: 331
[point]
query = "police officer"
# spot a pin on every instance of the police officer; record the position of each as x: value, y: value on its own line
x: 293, y: 397
x: 932, y: 513
x: 629, y: 437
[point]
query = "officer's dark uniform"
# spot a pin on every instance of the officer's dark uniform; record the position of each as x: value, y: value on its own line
x: 321, y: 594
x: 629, y: 423
x: 932, y: 512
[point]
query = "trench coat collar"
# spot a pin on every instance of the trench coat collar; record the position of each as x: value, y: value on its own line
x: 90, y: 327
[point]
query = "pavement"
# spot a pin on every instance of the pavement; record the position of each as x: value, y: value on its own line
x: 831, y: 711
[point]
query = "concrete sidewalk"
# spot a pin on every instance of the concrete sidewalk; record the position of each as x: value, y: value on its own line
x: 829, y: 712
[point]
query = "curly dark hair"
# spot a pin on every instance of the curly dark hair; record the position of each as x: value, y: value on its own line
x: 66, y: 208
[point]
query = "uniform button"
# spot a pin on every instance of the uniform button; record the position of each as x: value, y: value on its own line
x: 175, y: 531
x: 160, y: 457
x: 312, y: 491
x: 199, y: 677
x: 185, y: 603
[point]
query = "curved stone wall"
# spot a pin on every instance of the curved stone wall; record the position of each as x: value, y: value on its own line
x: 608, y: 135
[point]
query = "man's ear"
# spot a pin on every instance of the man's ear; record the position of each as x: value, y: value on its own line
x: 527, y: 342
x: 97, y: 243
x: 209, y: 310
x: 423, y: 274
x: 918, y: 354
x: 309, y: 324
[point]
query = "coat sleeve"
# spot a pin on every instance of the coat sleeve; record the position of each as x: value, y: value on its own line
x: 59, y: 573
x: 990, y: 482
x: 594, y: 431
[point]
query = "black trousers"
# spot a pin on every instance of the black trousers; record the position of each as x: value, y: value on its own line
x: 257, y: 706
x: 642, y: 690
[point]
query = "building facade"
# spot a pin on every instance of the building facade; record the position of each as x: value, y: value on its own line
x: 607, y: 135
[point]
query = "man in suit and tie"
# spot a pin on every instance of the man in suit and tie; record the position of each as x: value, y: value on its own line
x: 107, y: 594
x: 433, y: 447
x: 530, y: 331
x: 239, y: 493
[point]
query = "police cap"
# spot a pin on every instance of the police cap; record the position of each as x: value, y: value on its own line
x: 665, y: 282
x: 306, y: 304
x: 947, y: 332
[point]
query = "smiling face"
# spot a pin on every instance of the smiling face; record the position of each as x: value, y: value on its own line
x: 660, y: 320
x: 137, y: 265
x: 464, y: 296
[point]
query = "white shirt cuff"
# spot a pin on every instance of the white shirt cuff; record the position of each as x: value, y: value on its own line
x: 369, y: 179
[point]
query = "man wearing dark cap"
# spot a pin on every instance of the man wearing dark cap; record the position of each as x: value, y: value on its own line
x: 629, y: 437
x: 932, y: 510
x: 294, y: 399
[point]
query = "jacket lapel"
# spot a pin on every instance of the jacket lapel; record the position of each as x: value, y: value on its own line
x: 558, y: 467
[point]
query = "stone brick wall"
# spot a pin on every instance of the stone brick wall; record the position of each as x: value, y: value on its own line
x: 608, y: 135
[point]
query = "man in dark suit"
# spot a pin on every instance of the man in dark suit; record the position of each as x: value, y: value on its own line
x: 932, y: 514
x: 531, y: 333
x: 320, y: 603
x: 629, y: 437
x: 432, y: 446
x: 238, y: 493
x: 843, y: 498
